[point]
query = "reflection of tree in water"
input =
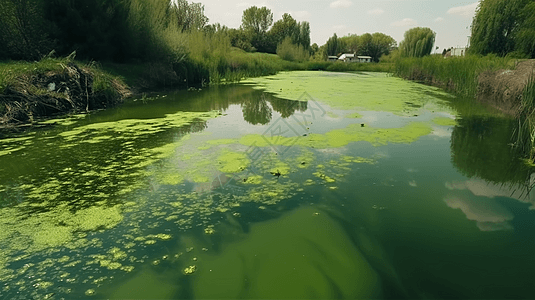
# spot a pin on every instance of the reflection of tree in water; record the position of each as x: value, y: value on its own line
x: 482, y: 147
x: 287, y: 107
x: 256, y: 110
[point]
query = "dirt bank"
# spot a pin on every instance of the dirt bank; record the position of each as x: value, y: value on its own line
x: 70, y: 88
x: 503, y: 89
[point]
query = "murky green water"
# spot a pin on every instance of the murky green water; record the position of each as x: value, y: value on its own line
x: 369, y: 187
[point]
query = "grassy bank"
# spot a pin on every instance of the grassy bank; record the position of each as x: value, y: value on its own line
x: 222, y: 67
x: 53, y: 86
x: 456, y: 74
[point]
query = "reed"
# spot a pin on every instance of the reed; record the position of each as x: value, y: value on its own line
x: 457, y: 74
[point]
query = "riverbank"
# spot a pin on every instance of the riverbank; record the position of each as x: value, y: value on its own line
x: 50, y: 87
x: 53, y: 86
x: 502, y: 83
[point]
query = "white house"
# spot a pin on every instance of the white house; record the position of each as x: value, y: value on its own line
x: 458, y: 51
x: 347, y: 57
x: 332, y: 58
x: 364, y: 59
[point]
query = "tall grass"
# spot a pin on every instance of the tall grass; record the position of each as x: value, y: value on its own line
x: 456, y: 74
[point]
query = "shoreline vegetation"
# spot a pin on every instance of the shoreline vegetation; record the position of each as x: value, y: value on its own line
x: 126, y: 47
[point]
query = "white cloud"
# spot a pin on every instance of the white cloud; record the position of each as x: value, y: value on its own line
x: 375, y: 12
x: 404, y: 22
x: 464, y: 11
x: 341, y: 3
x: 339, y: 27
x: 439, y: 19
x: 301, y: 15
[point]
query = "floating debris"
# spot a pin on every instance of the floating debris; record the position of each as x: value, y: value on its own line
x: 190, y: 270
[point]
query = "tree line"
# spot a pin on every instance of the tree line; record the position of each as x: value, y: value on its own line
x: 504, y: 27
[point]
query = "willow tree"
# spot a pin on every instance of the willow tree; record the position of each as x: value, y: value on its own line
x: 496, y: 26
x: 417, y: 42
x: 525, y: 40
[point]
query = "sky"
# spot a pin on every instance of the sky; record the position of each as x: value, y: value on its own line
x: 450, y: 19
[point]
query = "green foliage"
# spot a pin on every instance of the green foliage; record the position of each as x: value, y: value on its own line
x: 257, y: 19
x: 374, y: 45
x: 292, y: 52
x: 525, y: 41
x: 333, y: 46
x: 255, y: 22
x: 360, y: 67
x: 190, y: 16
x: 23, y: 30
x: 391, y: 57
x: 285, y: 27
x: 418, y: 42
x: 457, y: 74
x: 496, y: 26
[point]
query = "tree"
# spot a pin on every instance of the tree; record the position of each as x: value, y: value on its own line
x: 380, y: 44
x: 190, y: 16
x: 257, y: 19
x: 23, y: 30
x: 418, y: 42
x: 255, y: 22
x: 496, y: 26
x: 333, y: 46
x: 287, y: 26
x: 525, y: 40
x: 303, y: 34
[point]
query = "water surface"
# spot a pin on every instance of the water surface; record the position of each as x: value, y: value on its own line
x: 299, y: 185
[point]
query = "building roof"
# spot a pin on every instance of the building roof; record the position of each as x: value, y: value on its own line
x: 346, y: 55
x: 361, y: 56
x: 332, y: 56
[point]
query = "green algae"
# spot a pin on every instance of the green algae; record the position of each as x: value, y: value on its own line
x: 371, y: 92
x: 353, y: 116
x: 280, y: 254
x: 444, y: 121
x: 342, y: 137
x: 232, y: 162
x: 332, y: 115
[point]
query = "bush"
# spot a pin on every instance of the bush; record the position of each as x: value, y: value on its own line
x: 292, y: 52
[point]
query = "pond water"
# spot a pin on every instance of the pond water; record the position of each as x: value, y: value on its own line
x: 299, y: 185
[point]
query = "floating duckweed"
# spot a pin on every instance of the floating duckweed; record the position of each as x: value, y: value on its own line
x: 232, y: 162
x: 90, y: 292
x: 395, y: 95
x: 354, y: 116
x: 43, y: 284
x: 163, y: 236
x: 189, y: 249
x: 444, y: 121
x: 150, y: 242
x: 305, y: 159
x: 324, y: 177
x: 209, y: 230
x: 156, y: 262
x: 127, y: 268
x: 342, y: 137
x: 190, y: 270
x: 255, y: 179
x: 332, y: 115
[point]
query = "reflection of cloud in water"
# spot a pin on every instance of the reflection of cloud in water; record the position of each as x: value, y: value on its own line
x: 441, y: 132
x: 479, y: 187
x: 488, y: 213
x: 218, y: 181
x: 413, y: 183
